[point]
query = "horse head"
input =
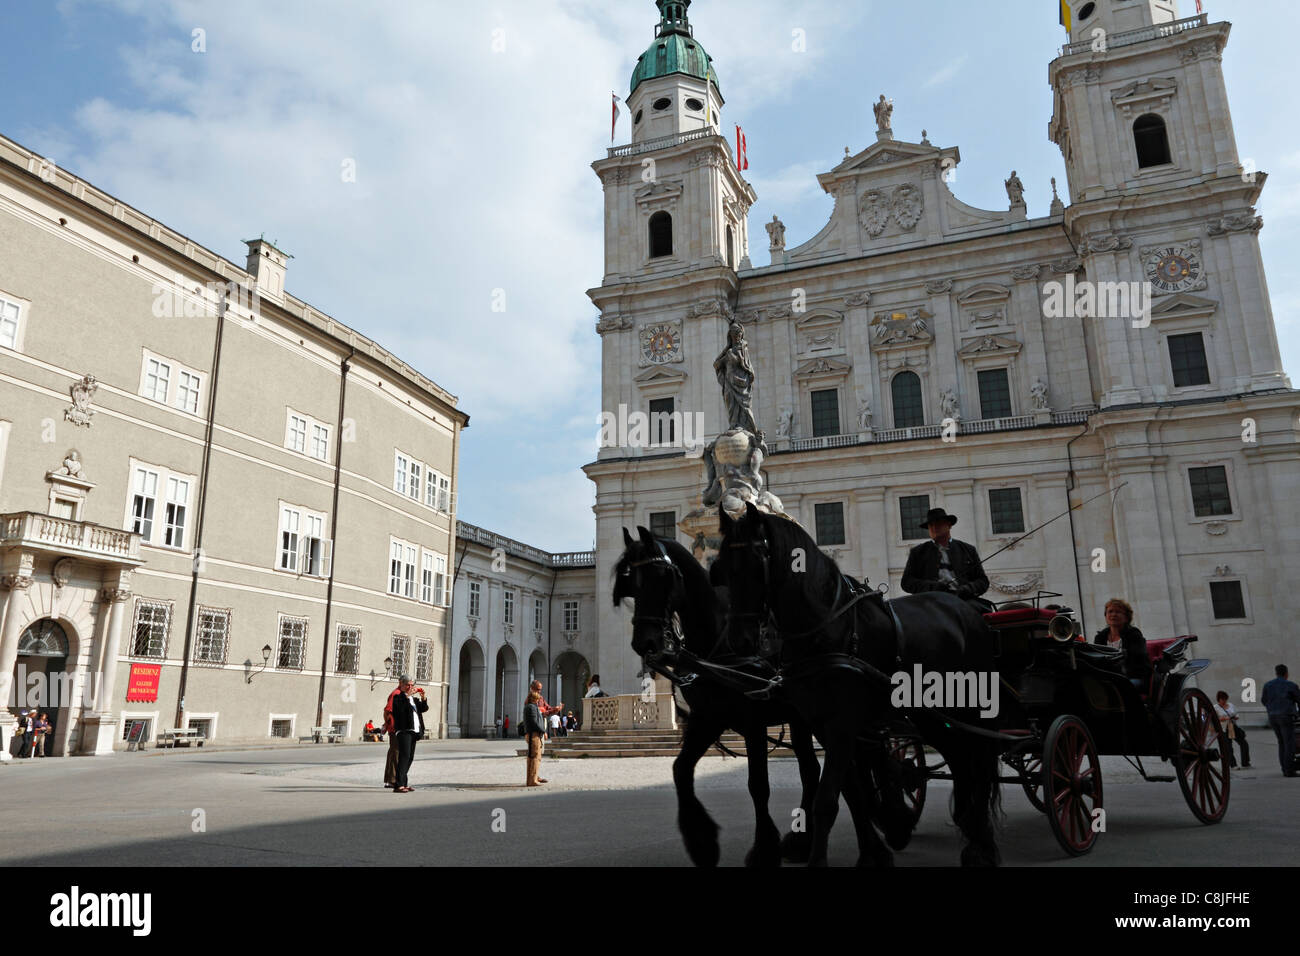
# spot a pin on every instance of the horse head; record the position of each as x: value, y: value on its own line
x: 744, y: 567
x: 650, y: 575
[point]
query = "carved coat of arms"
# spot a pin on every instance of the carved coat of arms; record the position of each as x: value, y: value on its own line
x: 82, y: 392
x: 907, y: 206
x: 874, y: 212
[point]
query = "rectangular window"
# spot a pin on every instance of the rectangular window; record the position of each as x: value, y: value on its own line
x: 178, y: 498
x: 320, y: 442
x: 911, y: 512
x: 293, y: 643
x: 281, y: 727
x: 424, y: 660
x: 538, y: 611
x: 408, y: 571
x: 426, y: 577
x: 1227, y: 600
x: 1005, y: 507
x: 157, y: 376
x: 995, y: 394
x: 571, y: 615
x: 830, y: 523
x: 444, y: 494
x: 290, y: 525
x: 475, y: 594
x: 661, y: 422
x: 1210, y: 495
x: 508, y: 612
x: 413, y: 486
x: 212, y: 637
x: 347, y: 658
x: 187, y: 392
x: 401, y: 654
x: 1187, y: 358
x: 143, y: 503
x: 826, y: 412
x: 663, y: 524
x: 431, y: 478
x: 296, y: 435
x: 440, y: 580
x: 149, y: 636
x: 400, y: 466
x: 148, y: 728
x: 203, y: 726
x: 314, y: 547
x: 8, y: 324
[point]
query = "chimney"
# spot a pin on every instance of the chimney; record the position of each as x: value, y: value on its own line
x: 267, y: 265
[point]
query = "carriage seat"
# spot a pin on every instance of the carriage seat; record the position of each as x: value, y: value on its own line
x: 1019, y: 615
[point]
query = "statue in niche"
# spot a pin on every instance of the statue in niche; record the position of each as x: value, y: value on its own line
x: 784, y: 421
x: 1038, y: 395
x: 864, y: 414
x: 948, y: 404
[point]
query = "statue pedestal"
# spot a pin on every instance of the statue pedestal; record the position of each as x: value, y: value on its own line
x: 1042, y: 416
x: 705, y: 533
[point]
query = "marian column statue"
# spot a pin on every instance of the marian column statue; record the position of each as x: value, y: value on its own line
x: 736, y: 376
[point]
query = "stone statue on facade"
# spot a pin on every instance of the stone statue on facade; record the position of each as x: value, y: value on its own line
x: 1015, y: 190
x: 784, y: 421
x: 83, y: 392
x: 776, y: 233
x: 71, y: 464
x: 864, y: 414
x: 736, y: 376
x: 884, y: 110
x: 948, y: 405
x: 1038, y: 395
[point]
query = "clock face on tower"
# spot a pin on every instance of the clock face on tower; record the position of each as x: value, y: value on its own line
x: 661, y: 342
x: 1174, y: 268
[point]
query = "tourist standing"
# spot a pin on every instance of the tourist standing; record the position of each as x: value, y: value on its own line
x: 390, y: 762
x: 1281, y: 698
x: 1228, y: 718
x: 535, y: 727
x: 409, y: 705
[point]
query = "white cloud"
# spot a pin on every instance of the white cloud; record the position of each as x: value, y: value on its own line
x: 945, y: 74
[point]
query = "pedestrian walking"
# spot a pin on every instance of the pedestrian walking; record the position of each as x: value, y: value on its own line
x: 505, y: 726
x: 499, y: 728
x: 1228, y: 718
x: 43, y: 728
x: 1281, y: 698
x: 390, y: 762
x: 535, y: 728
x: 409, y: 706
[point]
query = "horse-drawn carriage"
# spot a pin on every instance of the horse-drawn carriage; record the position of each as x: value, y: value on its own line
x: 775, y: 623
x: 1070, y: 703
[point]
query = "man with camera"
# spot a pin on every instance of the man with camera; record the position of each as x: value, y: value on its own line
x: 409, y: 706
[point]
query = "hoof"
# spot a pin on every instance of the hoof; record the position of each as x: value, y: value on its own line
x: 764, y: 857
x: 981, y: 856
x: 702, y: 843
x: 796, y: 847
x: 885, y: 859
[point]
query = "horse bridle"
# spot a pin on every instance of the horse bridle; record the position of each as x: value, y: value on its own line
x: 672, y: 641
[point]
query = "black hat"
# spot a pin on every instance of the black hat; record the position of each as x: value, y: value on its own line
x: 938, y: 514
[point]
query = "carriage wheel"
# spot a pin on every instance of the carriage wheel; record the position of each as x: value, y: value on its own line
x: 1202, y: 757
x: 909, y: 753
x: 1071, y: 778
x: 1031, y: 778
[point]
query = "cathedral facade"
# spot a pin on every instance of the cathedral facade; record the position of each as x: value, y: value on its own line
x: 1114, y: 363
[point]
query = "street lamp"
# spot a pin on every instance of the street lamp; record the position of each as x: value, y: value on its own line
x: 388, y: 669
x: 266, y: 659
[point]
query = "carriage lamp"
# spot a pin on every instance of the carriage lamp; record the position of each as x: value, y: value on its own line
x: 266, y: 660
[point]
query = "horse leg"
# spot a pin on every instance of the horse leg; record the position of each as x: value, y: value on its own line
x: 699, y: 832
x: 863, y: 805
x: 973, y: 798
x: 797, y: 845
x: 766, y: 850
x: 826, y: 805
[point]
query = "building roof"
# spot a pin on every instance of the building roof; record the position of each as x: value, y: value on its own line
x: 674, y: 50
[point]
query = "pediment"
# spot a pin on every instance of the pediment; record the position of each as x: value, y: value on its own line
x: 659, y: 375
x: 1145, y: 89
x: 823, y: 366
x: 658, y: 192
x: 987, y: 344
x: 984, y: 292
x: 890, y: 152
x: 819, y: 319
x: 1184, y: 306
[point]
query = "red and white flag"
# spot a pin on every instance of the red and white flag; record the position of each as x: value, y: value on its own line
x: 613, y: 120
x: 1198, y: 7
x: 742, y: 155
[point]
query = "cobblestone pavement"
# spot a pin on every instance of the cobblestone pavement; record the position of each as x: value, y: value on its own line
x: 325, y: 806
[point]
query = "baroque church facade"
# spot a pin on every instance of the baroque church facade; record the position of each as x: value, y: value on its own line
x: 1116, y: 358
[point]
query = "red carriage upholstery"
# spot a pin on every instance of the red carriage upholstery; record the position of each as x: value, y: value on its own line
x: 1156, y: 648
x: 1019, y: 615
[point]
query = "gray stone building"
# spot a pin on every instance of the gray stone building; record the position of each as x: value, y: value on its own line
x: 1116, y: 355
x: 220, y: 508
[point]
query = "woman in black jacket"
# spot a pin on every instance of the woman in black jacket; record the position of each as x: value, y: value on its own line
x: 1120, y: 633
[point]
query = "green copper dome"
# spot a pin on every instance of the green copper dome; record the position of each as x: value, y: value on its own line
x: 674, y: 49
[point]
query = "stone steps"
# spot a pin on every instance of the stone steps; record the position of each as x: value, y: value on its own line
x: 639, y: 743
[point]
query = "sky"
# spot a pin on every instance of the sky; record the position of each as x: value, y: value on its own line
x: 471, y: 127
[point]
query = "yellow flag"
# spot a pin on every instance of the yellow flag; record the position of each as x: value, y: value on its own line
x: 1066, y: 19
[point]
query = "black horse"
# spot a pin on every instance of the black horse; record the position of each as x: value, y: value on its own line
x: 678, y: 624
x: 839, y: 647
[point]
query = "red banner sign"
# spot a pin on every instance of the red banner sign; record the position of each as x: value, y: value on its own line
x: 143, y: 685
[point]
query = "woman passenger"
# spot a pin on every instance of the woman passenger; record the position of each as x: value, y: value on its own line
x: 1120, y: 633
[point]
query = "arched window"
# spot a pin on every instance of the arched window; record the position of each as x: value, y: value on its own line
x: 661, y: 235
x: 1152, y: 141
x: 909, y: 411
x: 731, y: 248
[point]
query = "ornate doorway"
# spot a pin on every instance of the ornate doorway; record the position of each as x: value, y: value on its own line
x: 41, y: 678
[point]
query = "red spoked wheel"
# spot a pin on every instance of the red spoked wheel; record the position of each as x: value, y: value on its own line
x: 1031, y: 779
x: 1202, y: 757
x: 909, y: 754
x: 1071, y: 778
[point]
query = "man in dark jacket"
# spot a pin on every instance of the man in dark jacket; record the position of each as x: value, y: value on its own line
x: 409, y: 706
x: 1281, y: 698
x: 943, y: 563
x: 535, y: 724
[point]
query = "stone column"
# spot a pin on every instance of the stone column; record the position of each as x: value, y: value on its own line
x: 101, y: 723
x: 16, y: 585
x: 873, y: 532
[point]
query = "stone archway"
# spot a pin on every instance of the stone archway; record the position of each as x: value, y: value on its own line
x: 43, y: 680
x: 574, y: 672
x: 470, y: 689
x: 537, y: 669
x: 505, y: 686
